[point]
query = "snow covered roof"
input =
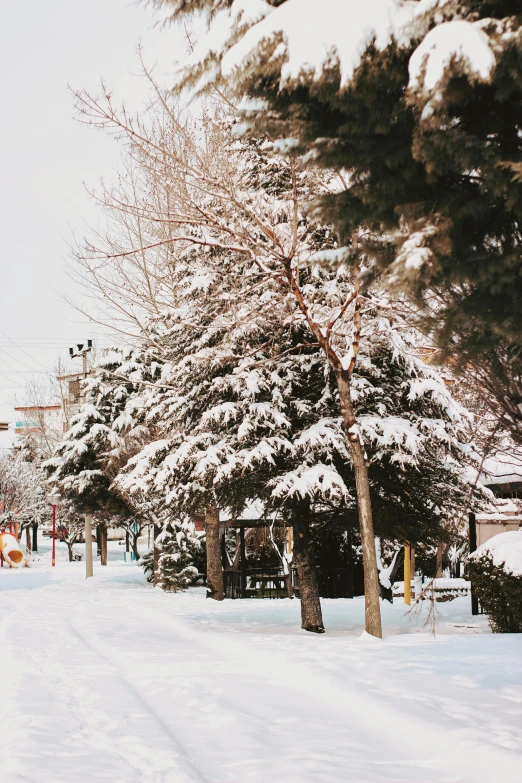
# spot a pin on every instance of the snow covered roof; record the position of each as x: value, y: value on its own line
x: 504, y: 468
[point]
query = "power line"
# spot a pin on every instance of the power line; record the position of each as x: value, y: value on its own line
x: 21, y: 349
x: 15, y: 359
x: 18, y: 372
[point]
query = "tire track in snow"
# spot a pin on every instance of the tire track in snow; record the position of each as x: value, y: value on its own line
x: 284, y: 689
x: 188, y: 767
x: 424, y: 743
x: 99, y: 725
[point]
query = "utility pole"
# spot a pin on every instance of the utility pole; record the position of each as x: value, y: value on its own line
x: 83, y: 351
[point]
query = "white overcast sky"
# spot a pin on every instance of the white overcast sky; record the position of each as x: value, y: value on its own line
x: 46, y: 157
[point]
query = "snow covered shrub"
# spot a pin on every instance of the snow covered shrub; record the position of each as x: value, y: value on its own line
x: 175, y: 561
x: 495, y: 570
x: 146, y: 561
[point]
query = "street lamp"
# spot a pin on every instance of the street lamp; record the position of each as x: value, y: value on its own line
x: 54, y: 497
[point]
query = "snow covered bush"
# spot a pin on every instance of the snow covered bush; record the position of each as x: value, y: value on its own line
x: 175, y: 563
x: 495, y: 571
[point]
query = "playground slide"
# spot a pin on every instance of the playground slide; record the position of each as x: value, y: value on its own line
x: 11, y: 551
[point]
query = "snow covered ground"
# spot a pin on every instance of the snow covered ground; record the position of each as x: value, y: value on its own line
x: 111, y: 680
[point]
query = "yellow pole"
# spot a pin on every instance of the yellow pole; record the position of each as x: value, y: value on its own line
x: 407, y: 574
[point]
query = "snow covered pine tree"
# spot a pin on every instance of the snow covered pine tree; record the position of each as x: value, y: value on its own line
x: 249, y: 408
x: 419, y: 103
x: 258, y: 292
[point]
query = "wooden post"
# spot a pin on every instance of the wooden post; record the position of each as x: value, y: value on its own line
x: 242, y: 560
x: 223, y: 544
x: 472, y: 547
x: 53, y: 561
x: 88, y: 546
x: 407, y: 574
x: 350, y: 565
x: 103, y: 545
x: 290, y: 540
x: 156, y: 554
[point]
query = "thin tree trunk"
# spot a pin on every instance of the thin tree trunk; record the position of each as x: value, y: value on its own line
x: 364, y: 506
x: 35, y: 537
x: 440, y: 554
x: 70, y: 548
x: 103, y: 545
x: 215, y: 588
x: 304, y: 559
x: 98, y: 540
x: 28, y: 539
x: 156, y: 557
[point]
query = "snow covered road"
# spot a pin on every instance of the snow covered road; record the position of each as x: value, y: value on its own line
x: 110, y: 680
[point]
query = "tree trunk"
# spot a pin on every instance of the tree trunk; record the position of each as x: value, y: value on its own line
x: 35, y: 537
x: 215, y: 588
x: 157, y: 531
x: 103, y: 544
x: 70, y: 548
x: 304, y: 559
x: 98, y: 540
x: 364, y: 507
x: 28, y: 539
x: 134, y: 544
x: 440, y: 554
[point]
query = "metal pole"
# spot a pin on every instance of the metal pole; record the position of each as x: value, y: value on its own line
x: 407, y: 574
x: 472, y: 547
x: 88, y: 546
x: 54, y: 535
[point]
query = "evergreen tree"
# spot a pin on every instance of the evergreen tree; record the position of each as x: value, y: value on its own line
x: 418, y: 103
x: 176, y: 569
x: 100, y: 439
x: 251, y: 292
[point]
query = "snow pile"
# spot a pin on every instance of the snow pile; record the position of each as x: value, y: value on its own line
x: 505, y: 549
x: 44, y: 559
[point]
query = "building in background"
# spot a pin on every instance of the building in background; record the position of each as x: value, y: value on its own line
x: 40, y: 428
x: 72, y: 397
x: 37, y: 418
